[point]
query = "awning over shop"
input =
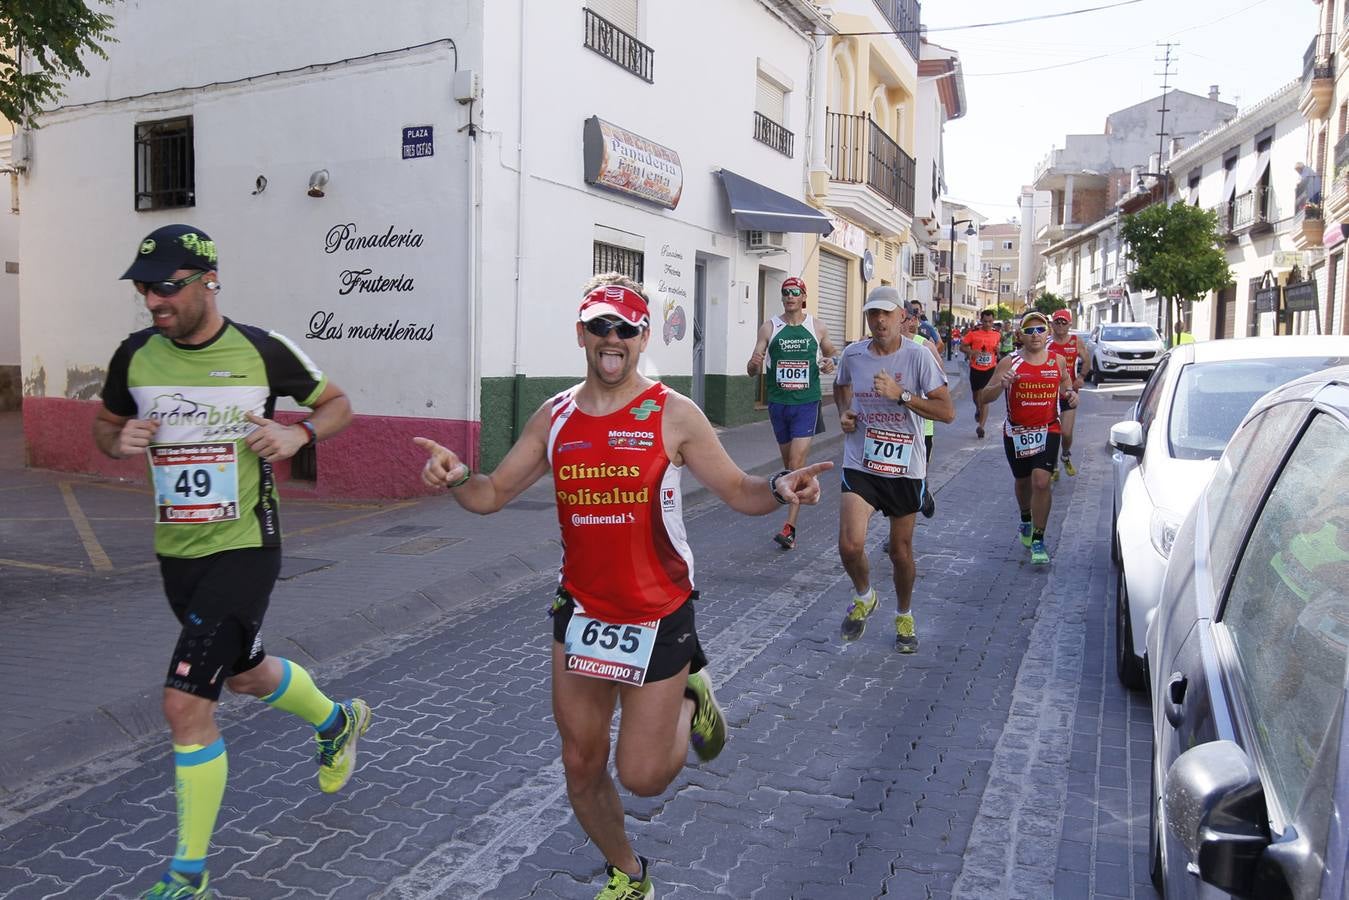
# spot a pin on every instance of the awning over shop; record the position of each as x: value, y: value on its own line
x: 758, y: 208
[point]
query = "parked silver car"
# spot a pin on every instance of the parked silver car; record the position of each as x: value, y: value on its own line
x: 1130, y: 349
x: 1250, y: 792
x: 1166, y: 451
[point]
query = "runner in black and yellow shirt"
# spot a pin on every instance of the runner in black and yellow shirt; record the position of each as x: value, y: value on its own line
x: 792, y: 344
x: 194, y: 394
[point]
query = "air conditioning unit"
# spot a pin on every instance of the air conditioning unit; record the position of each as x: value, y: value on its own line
x: 765, y: 242
x: 918, y: 265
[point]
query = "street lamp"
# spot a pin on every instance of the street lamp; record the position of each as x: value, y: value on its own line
x: 951, y: 277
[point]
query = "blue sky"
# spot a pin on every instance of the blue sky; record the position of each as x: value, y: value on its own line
x: 1249, y: 48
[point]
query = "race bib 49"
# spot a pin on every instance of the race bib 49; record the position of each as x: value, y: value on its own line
x: 195, y: 484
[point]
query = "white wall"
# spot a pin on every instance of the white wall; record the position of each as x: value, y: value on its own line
x: 9, y: 283
x: 701, y: 105
x: 275, y: 266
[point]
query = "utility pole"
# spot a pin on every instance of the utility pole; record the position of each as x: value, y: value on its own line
x: 1164, y: 318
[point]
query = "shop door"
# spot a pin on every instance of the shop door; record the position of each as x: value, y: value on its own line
x: 1227, y: 312
x: 831, y: 304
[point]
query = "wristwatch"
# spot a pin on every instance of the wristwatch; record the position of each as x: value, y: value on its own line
x: 905, y: 397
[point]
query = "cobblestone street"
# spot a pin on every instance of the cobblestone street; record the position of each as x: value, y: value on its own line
x: 1002, y: 760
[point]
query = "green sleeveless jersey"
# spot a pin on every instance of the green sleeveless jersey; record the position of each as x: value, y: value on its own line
x: 212, y: 493
x: 793, y: 372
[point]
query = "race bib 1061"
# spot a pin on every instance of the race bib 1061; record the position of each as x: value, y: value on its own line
x: 793, y: 376
x: 195, y: 484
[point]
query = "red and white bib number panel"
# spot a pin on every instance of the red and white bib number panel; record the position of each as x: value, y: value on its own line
x: 599, y: 649
x: 195, y: 483
x: 887, y: 452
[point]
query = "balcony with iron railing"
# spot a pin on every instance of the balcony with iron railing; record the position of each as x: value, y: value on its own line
x: 766, y: 131
x: 1308, y: 227
x: 903, y: 16
x: 860, y: 152
x: 1318, y: 77
x: 619, y: 47
x: 1253, y: 211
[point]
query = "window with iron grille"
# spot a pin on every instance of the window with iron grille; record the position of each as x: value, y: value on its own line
x: 610, y: 26
x: 165, y: 167
x: 612, y: 258
x: 770, y: 114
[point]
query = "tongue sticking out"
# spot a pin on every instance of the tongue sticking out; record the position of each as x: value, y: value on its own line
x: 611, y: 363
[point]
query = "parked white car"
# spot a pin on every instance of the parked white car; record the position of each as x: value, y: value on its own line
x: 1124, y: 349
x: 1165, y: 454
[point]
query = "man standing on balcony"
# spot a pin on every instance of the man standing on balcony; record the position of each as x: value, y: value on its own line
x: 793, y: 343
x: 1310, y: 184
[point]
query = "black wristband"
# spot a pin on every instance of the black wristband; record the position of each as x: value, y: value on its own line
x: 468, y: 473
x: 773, y: 486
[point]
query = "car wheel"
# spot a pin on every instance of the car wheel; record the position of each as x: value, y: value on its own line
x: 1127, y: 666
x: 1156, y: 867
x: 1093, y: 374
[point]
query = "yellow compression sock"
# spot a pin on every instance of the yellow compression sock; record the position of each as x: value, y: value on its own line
x: 199, y: 776
x: 298, y: 695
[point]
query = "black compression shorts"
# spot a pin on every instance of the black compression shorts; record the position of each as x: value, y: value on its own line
x: 220, y: 601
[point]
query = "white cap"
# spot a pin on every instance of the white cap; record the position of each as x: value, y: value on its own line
x: 884, y: 297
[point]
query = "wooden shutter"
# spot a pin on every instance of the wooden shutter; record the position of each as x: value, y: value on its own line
x: 831, y: 304
x: 770, y: 100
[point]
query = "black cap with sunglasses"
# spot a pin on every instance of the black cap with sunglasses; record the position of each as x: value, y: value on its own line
x: 170, y: 248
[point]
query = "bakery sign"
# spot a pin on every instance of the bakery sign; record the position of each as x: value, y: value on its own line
x: 618, y: 160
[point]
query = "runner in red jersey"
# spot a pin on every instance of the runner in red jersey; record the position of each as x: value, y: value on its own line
x: 980, y: 346
x: 1033, y: 381
x: 1068, y: 345
x: 616, y: 445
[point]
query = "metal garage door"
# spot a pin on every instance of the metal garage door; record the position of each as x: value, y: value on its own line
x: 831, y: 304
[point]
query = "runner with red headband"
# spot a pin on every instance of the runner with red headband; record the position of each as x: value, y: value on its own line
x: 1035, y: 381
x: 617, y: 445
x: 792, y: 344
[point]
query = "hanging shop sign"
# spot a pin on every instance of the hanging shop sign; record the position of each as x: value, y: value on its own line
x: 1267, y: 299
x: 619, y: 160
x: 1289, y: 259
x: 1300, y: 297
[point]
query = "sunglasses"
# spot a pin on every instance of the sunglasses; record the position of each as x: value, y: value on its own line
x: 1034, y: 329
x: 600, y: 328
x: 791, y: 292
x: 165, y: 288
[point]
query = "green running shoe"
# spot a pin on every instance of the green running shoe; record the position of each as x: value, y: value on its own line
x: 337, y: 757
x: 622, y: 887
x: 855, y: 622
x: 1038, y: 554
x: 1068, y: 466
x: 175, y: 886
x: 905, y: 639
x: 1054, y: 476
x: 708, y: 731
x: 1024, y: 530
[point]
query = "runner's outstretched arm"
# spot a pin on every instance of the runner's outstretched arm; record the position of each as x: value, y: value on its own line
x: 690, y: 441
x: 525, y: 463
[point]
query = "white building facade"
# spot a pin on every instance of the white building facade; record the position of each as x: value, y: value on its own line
x: 1244, y: 172
x: 476, y: 163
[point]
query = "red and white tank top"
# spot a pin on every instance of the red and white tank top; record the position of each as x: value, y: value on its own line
x: 1068, y: 350
x: 1033, y: 397
x: 625, y: 555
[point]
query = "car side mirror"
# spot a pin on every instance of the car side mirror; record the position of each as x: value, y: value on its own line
x: 1215, y: 806
x: 1127, y: 437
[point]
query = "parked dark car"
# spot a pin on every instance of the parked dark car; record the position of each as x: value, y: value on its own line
x: 1247, y: 650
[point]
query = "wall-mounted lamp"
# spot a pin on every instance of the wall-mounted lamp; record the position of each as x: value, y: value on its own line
x: 317, y: 182
x: 260, y: 185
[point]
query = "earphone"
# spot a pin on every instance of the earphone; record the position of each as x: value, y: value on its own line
x: 212, y: 286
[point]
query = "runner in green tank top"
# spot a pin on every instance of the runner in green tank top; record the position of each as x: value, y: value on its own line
x: 792, y: 344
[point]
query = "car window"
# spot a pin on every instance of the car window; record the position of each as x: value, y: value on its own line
x: 1212, y: 398
x: 1129, y: 333
x: 1151, y: 397
x: 1287, y: 613
x: 1252, y: 454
